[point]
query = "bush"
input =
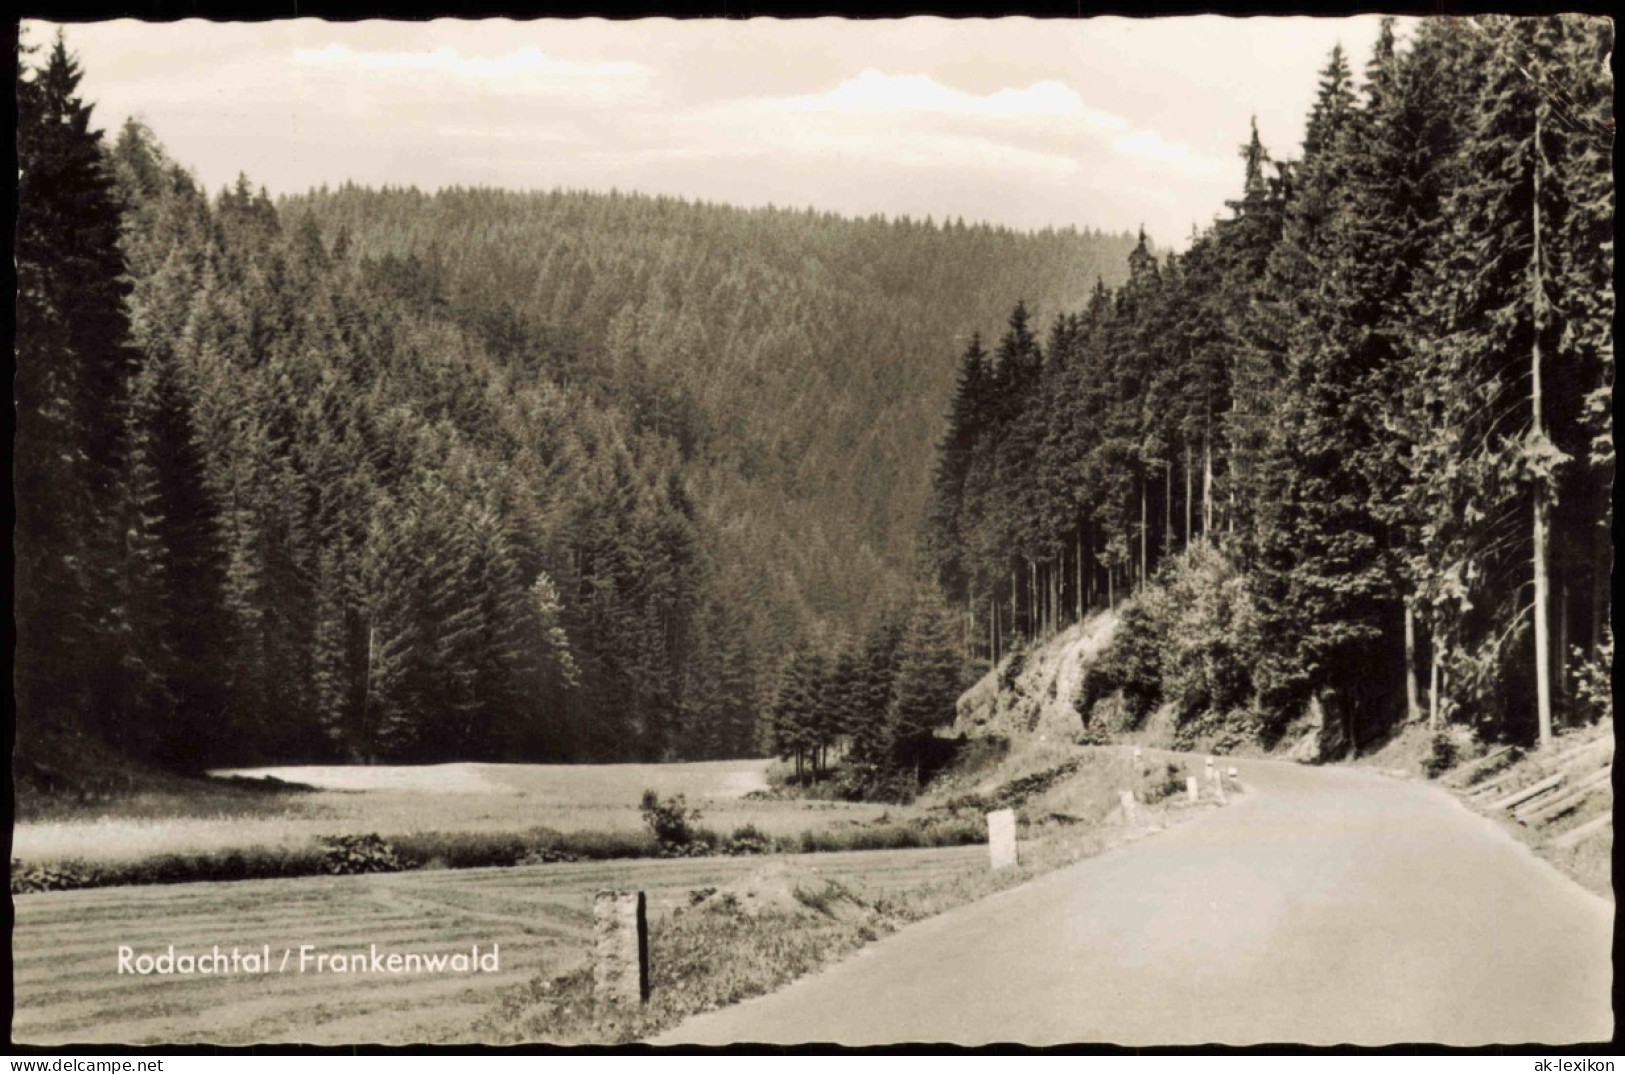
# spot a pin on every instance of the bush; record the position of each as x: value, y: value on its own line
x: 466, y: 850
x: 64, y: 876
x: 1130, y: 668
x: 1165, y: 784
x: 1594, y: 679
x: 1193, y: 638
x: 747, y: 839
x: 1443, y: 755
x: 892, y: 836
x: 670, y: 819
x: 344, y: 855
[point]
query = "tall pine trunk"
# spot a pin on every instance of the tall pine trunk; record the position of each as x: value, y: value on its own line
x: 1015, y: 598
x: 1167, y: 509
x: 1436, y: 680
x: 1562, y: 683
x: 993, y: 629
x: 1187, y: 494
x: 1413, y: 703
x: 1207, y: 484
x: 1078, y: 595
x: 1543, y: 652
x: 1142, y: 531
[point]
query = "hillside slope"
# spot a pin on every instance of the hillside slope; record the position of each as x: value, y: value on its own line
x: 803, y: 360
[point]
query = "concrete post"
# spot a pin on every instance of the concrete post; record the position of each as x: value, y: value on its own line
x: 1131, y: 808
x: 620, y: 971
x: 1192, y: 792
x: 1218, y: 784
x: 1001, y: 838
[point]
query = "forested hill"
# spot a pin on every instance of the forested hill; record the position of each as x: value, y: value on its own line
x: 1353, y: 450
x: 384, y: 476
x: 796, y: 357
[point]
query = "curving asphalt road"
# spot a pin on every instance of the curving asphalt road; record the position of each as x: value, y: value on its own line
x: 1328, y: 906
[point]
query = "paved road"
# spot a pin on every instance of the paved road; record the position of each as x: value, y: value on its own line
x: 1329, y: 906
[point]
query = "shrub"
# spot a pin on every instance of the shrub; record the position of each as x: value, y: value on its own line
x: 1443, y: 755
x: 747, y: 839
x: 1131, y: 667
x: 1594, y: 678
x: 350, y: 854
x: 1165, y: 784
x: 1193, y: 638
x: 466, y: 850
x: 670, y: 819
x: 1092, y: 736
x: 64, y: 876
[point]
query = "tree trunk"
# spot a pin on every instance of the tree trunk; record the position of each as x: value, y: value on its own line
x: 1543, y: 651
x: 1187, y: 494
x: 1015, y: 597
x: 1078, y: 595
x: 1090, y: 574
x: 1142, y: 532
x: 1057, y: 572
x: 1413, y: 703
x: 1167, y: 509
x: 1600, y: 562
x: 1207, y: 485
x: 1562, y: 683
x: 1035, y: 623
x: 993, y: 629
x: 1433, y: 682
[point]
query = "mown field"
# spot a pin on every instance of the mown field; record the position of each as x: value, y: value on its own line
x: 65, y: 945
x: 399, y: 800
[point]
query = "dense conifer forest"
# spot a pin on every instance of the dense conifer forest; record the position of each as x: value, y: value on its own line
x: 1353, y: 450
x: 385, y: 475
x: 390, y: 475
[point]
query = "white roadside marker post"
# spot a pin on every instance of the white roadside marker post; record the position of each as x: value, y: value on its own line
x: 1001, y: 838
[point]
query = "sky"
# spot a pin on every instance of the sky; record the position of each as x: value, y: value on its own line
x: 1109, y: 123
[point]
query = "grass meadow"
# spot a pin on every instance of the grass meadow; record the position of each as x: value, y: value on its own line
x: 722, y: 928
x: 249, y: 812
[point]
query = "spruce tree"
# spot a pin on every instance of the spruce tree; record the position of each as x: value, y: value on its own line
x: 72, y: 394
x: 926, y: 687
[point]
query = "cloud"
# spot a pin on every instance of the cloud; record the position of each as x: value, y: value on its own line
x: 1048, y: 108
x: 1153, y: 146
x: 524, y: 71
x: 877, y: 93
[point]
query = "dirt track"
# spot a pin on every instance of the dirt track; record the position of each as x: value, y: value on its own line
x: 1329, y: 906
